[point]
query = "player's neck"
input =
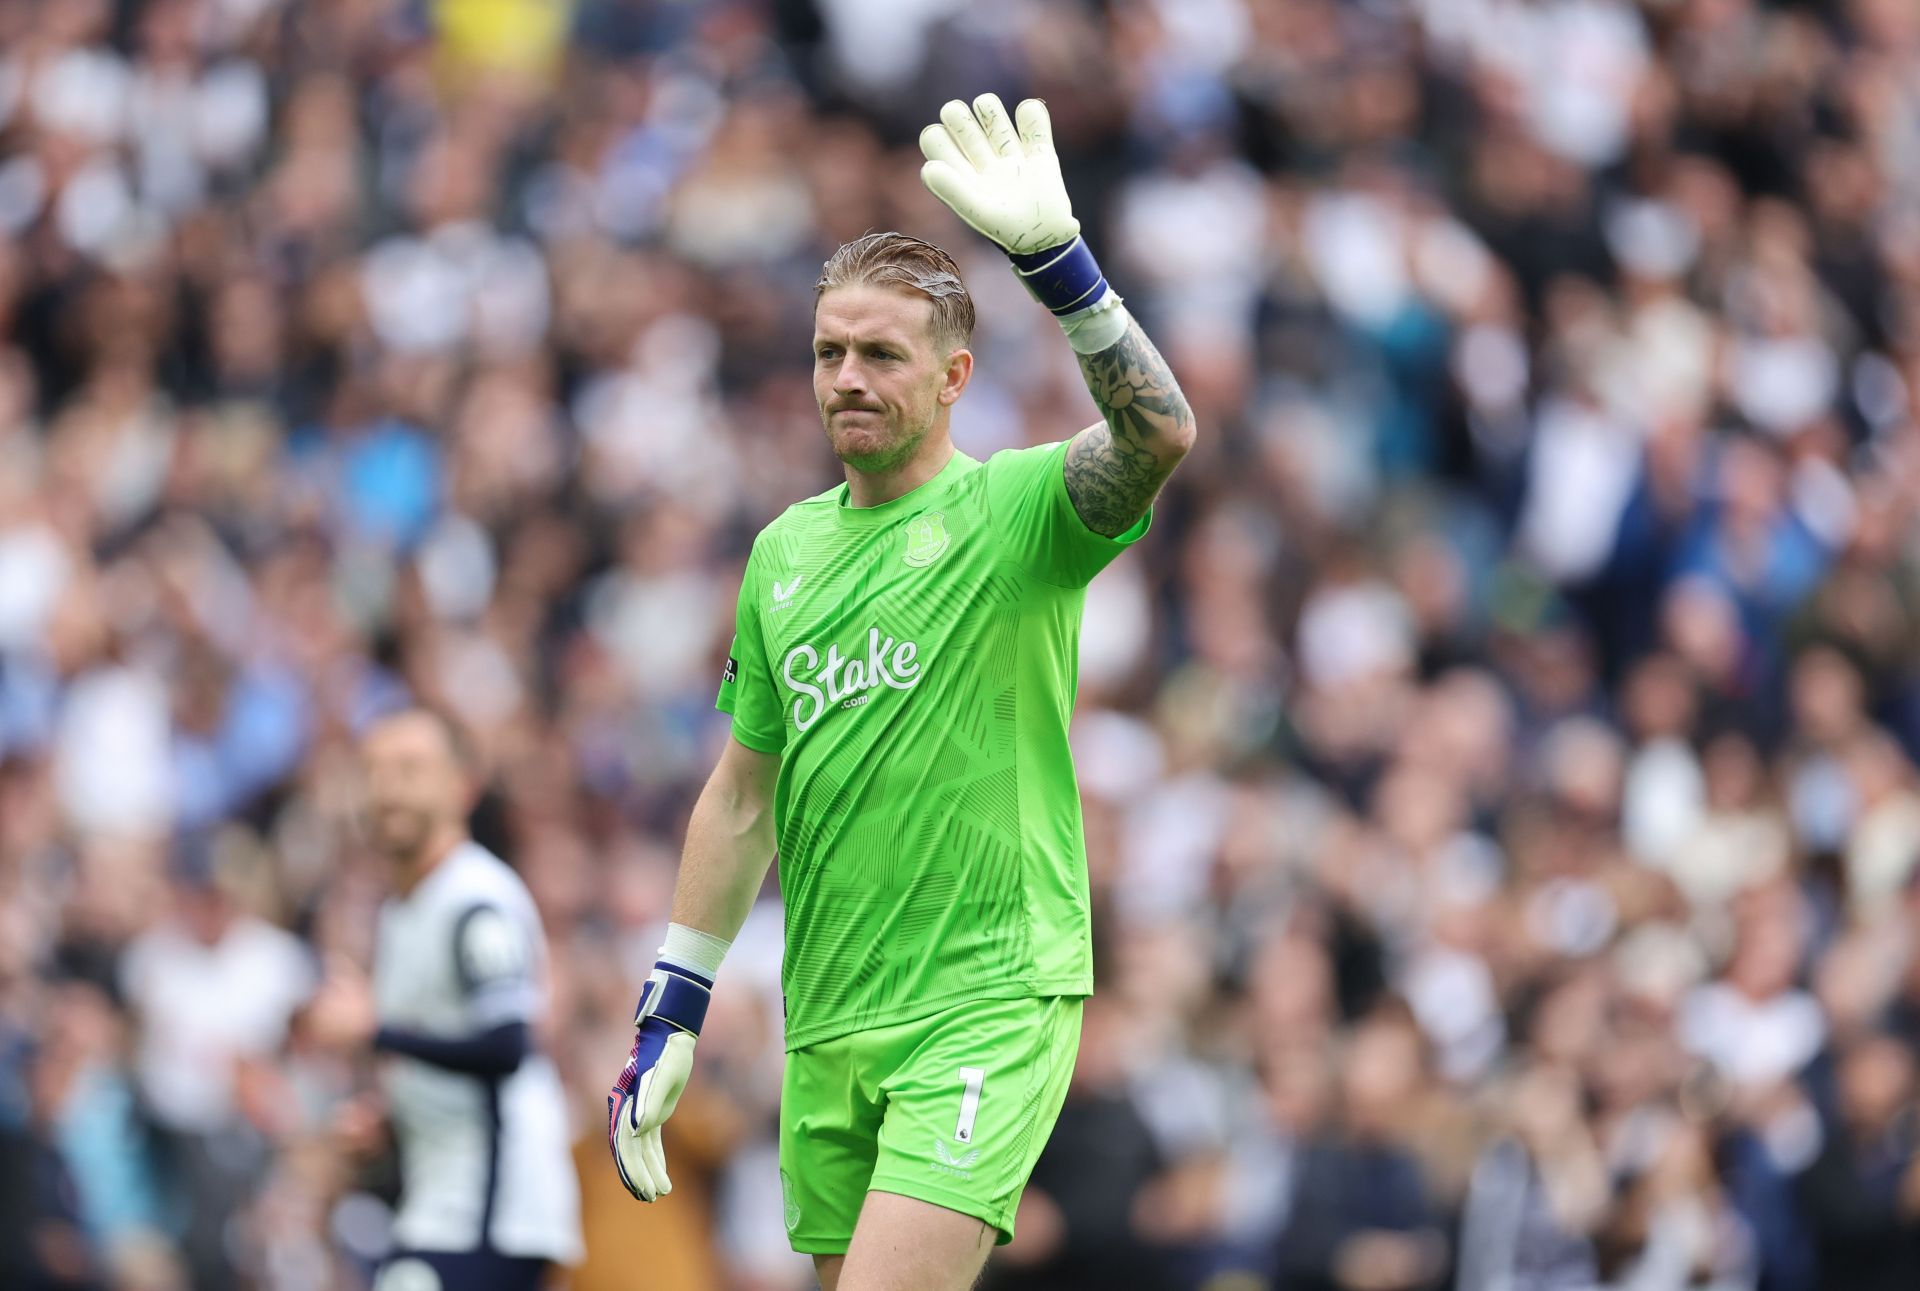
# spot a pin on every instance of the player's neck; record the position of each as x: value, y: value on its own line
x: 866, y: 489
x: 410, y: 873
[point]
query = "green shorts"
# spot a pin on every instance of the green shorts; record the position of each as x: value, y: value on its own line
x: 951, y: 1109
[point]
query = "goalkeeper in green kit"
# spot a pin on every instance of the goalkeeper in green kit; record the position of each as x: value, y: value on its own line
x: 901, y: 678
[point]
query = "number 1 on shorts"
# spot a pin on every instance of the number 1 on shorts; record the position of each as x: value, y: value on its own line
x: 969, y: 1102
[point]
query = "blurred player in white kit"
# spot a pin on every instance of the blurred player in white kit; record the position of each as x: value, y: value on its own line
x: 489, y: 1200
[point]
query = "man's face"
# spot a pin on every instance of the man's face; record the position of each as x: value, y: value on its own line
x: 414, y: 784
x: 879, y: 374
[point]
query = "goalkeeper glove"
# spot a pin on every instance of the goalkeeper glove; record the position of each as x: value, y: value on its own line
x: 673, y: 1005
x: 1002, y: 176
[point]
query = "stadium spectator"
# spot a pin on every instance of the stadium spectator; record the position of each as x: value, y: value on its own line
x: 1363, y: 1217
x: 1862, y: 1194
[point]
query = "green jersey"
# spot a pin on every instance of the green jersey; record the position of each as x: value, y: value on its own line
x: 914, y: 665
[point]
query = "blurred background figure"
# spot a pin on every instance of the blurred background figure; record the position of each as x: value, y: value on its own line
x: 1499, y: 767
x: 1862, y: 1193
x: 1536, y: 1194
x: 451, y: 1013
x: 1083, y: 1218
x: 1362, y: 1216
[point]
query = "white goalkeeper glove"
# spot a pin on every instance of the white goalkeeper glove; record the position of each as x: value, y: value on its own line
x: 1002, y: 180
x: 649, y: 1086
x: 1001, y: 175
x: 672, y: 1009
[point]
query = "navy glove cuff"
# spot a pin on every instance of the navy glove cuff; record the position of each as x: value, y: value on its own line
x: 677, y: 996
x: 1063, y: 278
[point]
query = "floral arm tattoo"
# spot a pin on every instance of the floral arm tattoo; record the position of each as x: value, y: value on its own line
x: 1114, y: 469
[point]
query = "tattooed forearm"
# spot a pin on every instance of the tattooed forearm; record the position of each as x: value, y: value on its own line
x: 1115, y: 469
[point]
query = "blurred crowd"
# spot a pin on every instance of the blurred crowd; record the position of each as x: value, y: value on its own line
x: 1499, y: 762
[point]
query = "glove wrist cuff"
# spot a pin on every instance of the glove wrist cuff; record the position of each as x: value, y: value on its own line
x: 676, y: 995
x: 1064, y: 278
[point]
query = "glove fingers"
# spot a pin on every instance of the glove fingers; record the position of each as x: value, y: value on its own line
x: 996, y: 125
x: 937, y: 145
x: 628, y: 1159
x: 958, y: 118
x: 655, y: 1156
x: 635, y: 1179
x: 950, y: 186
x: 1036, y: 127
x: 626, y: 1180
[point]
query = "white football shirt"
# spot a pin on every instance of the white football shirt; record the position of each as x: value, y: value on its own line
x: 485, y: 1163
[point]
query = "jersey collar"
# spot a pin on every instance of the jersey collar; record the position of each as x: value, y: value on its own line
x: 906, y: 502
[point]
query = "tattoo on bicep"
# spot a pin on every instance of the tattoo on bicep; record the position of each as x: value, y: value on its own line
x: 1113, y: 471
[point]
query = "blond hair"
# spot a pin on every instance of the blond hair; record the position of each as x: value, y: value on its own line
x: 899, y: 260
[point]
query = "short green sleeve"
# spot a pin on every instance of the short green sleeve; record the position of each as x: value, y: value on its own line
x: 1036, y: 521
x: 746, y: 683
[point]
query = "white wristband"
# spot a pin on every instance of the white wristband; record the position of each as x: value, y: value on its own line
x: 1098, y: 326
x: 691, y: 948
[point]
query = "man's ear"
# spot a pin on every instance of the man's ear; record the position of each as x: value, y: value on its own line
x: 959, y: 372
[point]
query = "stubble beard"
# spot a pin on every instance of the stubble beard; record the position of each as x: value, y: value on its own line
x: 871, y: 458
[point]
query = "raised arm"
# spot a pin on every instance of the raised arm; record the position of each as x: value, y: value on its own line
x: 1116, y: 467
x: 1000, y: 174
